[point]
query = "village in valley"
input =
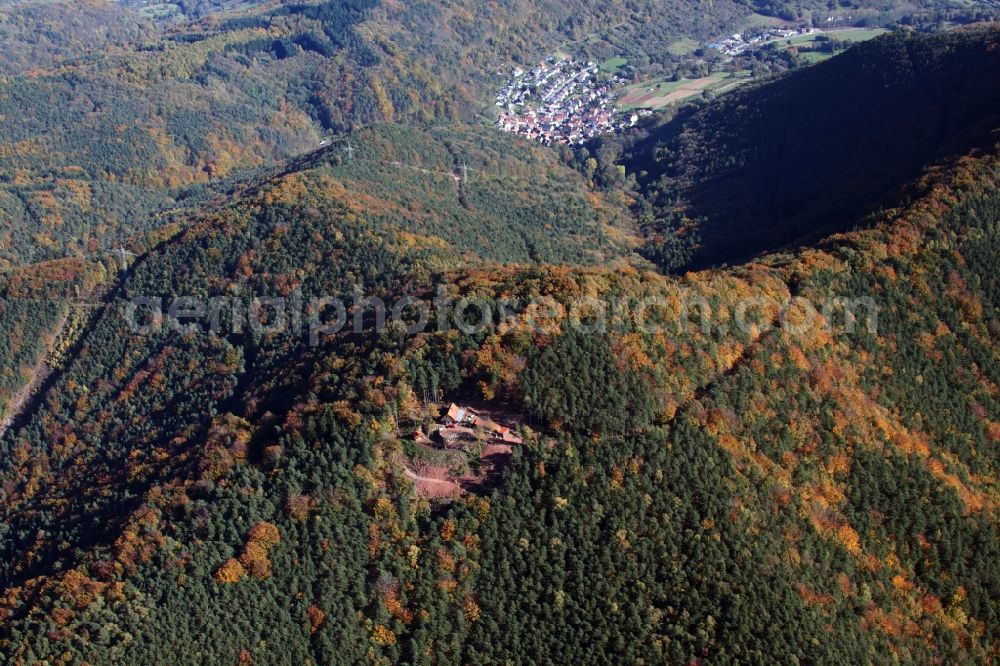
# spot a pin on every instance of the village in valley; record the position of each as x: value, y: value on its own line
x: 562, y: 101
x: 565, y: 101
x: 461, y: 452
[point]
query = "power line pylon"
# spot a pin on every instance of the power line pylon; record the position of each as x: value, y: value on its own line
x: 465, y: 172
x: 122, y: 254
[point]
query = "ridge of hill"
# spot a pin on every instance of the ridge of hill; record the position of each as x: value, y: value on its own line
x: 519, y: 205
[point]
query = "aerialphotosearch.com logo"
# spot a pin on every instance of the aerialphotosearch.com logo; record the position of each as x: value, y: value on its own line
x: 324, y: 316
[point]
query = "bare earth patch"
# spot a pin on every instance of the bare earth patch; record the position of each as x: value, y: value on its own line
x: 436, y: 486
x: 444, y: 464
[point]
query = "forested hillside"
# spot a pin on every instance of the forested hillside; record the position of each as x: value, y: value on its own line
x: 111, y: 117
x: 825, y: 494
x: 812, y: 152
x: 792, y: 459
x: 37, y: 35
x: 862, y: 11
x: 518, y: 205
x: 109, y: 122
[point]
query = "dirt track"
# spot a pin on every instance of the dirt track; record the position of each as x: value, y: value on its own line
x: 430, y: 487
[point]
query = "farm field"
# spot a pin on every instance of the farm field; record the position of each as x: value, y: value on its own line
x: 661, y: 94
x: 613, y: 64
x: 761, y: 21
x: 847, y: 35
x: 160, y: 11
x: 813, y: 57
x: 858, y: 34
x: 682, y: 46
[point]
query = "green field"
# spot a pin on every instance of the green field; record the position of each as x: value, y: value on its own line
x: 858, y: 34
x: 761, y: 21
x: 161, y: 11
x: 812, y: 57
x: 682, y: 47
x: 848, y: 35
x: 613, y: 64
x: 659, y: 94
